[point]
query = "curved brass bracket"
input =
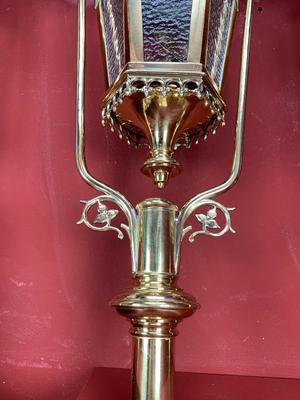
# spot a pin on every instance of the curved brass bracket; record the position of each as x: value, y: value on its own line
x: 112, y: 194
x: 198, y: 199
x: 209, y: 222
x: 102, y: 222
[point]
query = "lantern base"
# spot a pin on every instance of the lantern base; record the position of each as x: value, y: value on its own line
x: 156, y: 105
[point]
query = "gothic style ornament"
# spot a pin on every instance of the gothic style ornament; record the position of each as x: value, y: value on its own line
x: 165, y: 68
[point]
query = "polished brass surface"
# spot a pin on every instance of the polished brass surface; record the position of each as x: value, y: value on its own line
x: 163, y: 105
x: 153, y: 368
x: 156, y: 236
x: 151, y: 106
x: 154, y: 305
x: 160, y: 110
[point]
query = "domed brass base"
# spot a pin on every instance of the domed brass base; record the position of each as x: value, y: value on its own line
x: 154, y: 306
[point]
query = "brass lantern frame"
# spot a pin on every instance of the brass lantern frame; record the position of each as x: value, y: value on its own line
x: 170, y: 100
x: 154, y: 305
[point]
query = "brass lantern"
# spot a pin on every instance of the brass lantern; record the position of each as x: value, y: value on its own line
x: 166, y: 61
x: 165, y: 68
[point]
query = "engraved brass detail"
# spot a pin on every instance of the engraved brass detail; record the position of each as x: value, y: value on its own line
x: 152, y: 107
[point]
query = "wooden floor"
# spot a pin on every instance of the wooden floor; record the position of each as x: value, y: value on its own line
x: 114, y: 384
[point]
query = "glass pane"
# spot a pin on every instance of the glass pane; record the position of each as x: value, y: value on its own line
x: 222, y: 14
x: 113, y: 30
x: 166, y: 26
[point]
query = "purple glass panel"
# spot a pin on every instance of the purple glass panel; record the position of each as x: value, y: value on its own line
x: 113, y: 29
x: 221, y: 18
x: 166, y: 26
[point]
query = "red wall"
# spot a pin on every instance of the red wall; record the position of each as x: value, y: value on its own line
x: 57, y: 278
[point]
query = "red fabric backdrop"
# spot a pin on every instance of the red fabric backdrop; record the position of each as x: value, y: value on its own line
x: 57, y: 278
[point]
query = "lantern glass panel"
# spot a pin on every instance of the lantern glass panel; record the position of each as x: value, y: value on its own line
x: 221, y: 18
x: 166, y: 28
x: 112, y: 15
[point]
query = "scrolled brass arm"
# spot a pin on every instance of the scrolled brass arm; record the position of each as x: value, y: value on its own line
x: 196, y: 201
x: 114, y: 195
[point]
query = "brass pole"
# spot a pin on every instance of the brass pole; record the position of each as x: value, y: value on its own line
x: 154, y: 305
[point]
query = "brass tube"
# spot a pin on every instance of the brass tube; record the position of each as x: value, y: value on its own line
x: 154, y: 305
x: 156, y: 237
x: 153, y: 368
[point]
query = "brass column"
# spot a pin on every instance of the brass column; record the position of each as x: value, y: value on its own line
x: 154, y: 305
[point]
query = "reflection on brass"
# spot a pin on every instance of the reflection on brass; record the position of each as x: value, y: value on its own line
x: 162, y: 106
x: 140, y: 105
x: 152, y: 106
x: 154, y: 305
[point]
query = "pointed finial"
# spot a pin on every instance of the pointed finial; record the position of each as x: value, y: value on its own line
x: 161, y: 178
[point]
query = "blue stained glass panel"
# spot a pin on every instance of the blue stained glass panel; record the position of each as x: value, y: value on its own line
x: 222, y: 13
x: 166, y: 26
x: 113, y: 28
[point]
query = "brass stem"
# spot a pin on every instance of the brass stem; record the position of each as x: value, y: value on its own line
x: 153, y: 369
x: 154, y: 305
